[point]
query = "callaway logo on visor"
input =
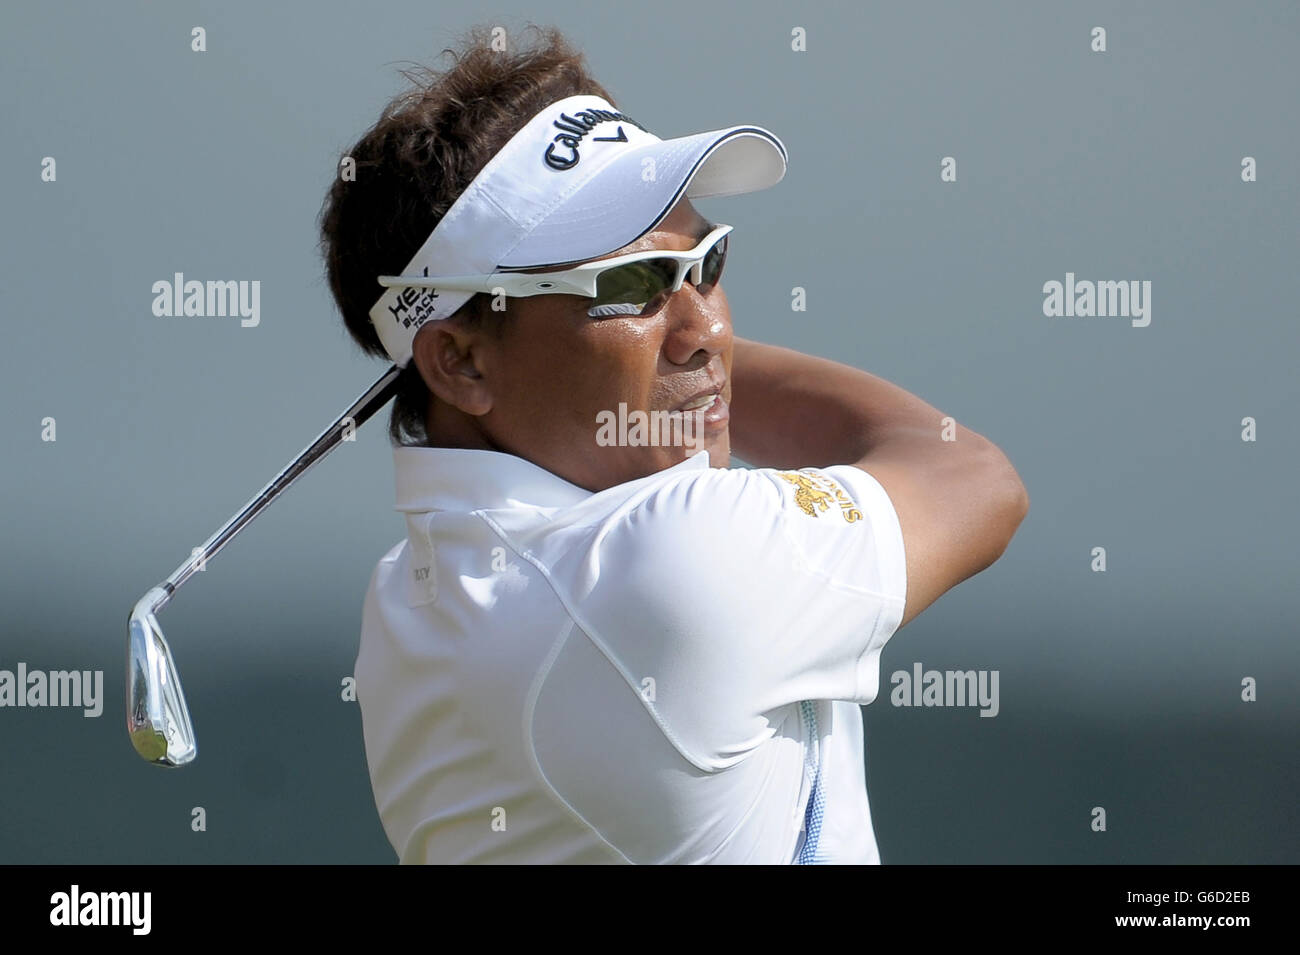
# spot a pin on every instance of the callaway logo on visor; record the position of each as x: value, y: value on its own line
x: 574, y: 128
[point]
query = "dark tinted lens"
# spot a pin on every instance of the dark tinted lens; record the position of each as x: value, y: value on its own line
x: 712, y: 267
x: 638, y: 283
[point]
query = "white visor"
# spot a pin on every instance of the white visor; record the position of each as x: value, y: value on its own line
x: 580, y: 180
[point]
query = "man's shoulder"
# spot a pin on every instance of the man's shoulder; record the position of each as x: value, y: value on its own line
x: 741, y: 507
x: 710, y: 509
x: 769, y: 532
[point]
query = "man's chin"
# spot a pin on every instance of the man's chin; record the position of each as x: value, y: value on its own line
x: 719, y: 450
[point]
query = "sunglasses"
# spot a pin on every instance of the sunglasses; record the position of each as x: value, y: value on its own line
x: 637, y: 283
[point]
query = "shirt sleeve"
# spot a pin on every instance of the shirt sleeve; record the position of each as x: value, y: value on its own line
x: 725, y: 595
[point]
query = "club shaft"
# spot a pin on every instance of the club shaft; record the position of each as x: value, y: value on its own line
x: 374, y: 398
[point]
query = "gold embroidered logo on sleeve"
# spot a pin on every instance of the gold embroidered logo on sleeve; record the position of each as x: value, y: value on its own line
x: 815, y: 492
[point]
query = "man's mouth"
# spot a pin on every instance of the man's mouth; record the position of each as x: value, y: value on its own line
x: 702, y: 402
x: 709, y: 410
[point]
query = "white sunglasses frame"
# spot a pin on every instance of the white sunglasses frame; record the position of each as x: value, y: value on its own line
x: 579, y: 280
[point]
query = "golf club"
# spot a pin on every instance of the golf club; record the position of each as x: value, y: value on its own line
x: 157, y: 718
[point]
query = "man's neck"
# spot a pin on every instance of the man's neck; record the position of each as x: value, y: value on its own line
x: 448, y: 427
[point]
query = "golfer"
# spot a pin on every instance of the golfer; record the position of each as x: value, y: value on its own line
x: 600, y: 641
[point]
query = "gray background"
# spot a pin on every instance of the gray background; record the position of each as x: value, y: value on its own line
x: 1118, y: 689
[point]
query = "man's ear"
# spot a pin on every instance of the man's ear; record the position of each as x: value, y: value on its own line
x: 449, y: 357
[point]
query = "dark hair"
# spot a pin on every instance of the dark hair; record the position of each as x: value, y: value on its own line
x: 427, y: 146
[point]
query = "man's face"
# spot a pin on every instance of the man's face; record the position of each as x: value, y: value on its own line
x: 542, y: 390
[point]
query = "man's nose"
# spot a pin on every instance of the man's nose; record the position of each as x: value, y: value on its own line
x: 697, y: 323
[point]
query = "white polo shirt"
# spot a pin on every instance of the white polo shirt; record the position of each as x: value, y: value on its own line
x: 548, y: 675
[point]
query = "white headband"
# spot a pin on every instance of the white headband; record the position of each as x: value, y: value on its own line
x: 580, y: 180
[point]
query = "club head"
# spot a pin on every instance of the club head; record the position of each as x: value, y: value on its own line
x: 156, y: 716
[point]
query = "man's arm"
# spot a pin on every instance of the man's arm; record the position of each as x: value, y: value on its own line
x: 958, y: 502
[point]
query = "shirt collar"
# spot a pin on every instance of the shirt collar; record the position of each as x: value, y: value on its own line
x: 460, y: 479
